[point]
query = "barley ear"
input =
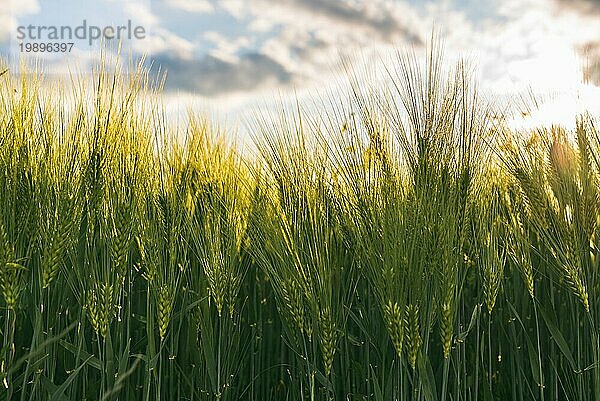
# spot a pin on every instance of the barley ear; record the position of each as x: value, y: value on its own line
x: 577, y: 286
x: 413, y: 335
x: 392, y: 314
x: 121, y: 241
x: 447, y: 327
x: 328, y: 338
x: 165, y: 304
x: 107, y: 308
x: 91, y: 305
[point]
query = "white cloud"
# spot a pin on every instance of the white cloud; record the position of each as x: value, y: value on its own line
x: 10, y: 13
x: 192, y: 6
x: 141, y: 11
x: 158, y: 38
x: 224, y: 48
x: 535, y: 46
x: 237, y: 8
x: 7, y: 25
x: 22, y: 7
x: 163, y: 41
x: 260, y: 24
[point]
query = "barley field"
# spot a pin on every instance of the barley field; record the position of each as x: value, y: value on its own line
x: 404, y: 245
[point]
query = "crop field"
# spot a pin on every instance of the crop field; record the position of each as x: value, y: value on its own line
x: 405, y: 244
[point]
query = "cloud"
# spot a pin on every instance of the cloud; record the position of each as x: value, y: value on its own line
x: 224, y: 48
x: 528, y: 44
x: 306, y: 37
x: 283, y: 42
x: 161, y: 41
x: 10, y: 12
x: 582, y: 6
x: 192, y: 6
x: 379, y: 19
x: 6, y: 23
x: 141, y: 11
x: 581, y: 21
x: 22, y: 7
x: 211, y: 76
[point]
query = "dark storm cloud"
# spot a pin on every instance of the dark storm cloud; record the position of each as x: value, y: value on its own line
x: 385, y: 24
x: 210, y: 76
x: 583, y: 6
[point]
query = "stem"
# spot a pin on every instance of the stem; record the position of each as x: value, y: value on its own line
x: 219, y: 340
x: 537, y: 327
x: 489, y: 351
x: 10, y: 347
x: 477, y: 358
x: 445, y: 378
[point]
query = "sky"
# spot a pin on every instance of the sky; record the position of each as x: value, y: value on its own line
x: 226, y: 58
